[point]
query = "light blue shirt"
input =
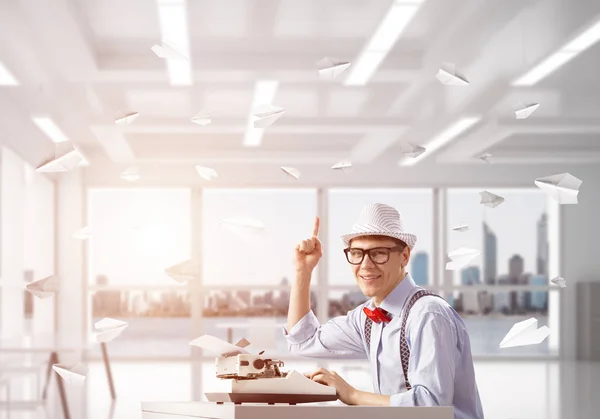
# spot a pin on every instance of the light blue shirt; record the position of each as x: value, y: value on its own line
x: 440, y: 370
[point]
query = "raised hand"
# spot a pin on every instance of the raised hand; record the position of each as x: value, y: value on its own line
x: 309, y: 251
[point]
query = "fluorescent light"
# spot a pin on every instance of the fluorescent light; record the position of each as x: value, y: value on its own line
x: 391, y: 27
x: 172, y: 17
x: 574, y: 47
x: 264, y: 93
x: 6, y: 77
x: 48, y: 127
x: 444, y: 138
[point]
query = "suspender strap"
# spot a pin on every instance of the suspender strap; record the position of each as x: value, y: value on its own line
x: 404, y: 350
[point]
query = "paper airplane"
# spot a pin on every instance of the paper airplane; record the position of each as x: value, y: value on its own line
x: 201, y: 119
x: 490, y: 200
x: 66, y: 158
x: 526, y: 111
x: 560, y: 281
x: 218, y: 346
x: 449, y: 76
x: 342, y: 164
x: 131, y: 174
x: 44, y: 288
x: 412, y: 150
x: 127, y: 118
x: 184, y: 271
x: 329, y: 68
x: 109, y: 329
x: 83, y: 234
x: 486, y: 157
x: 74, y: 375
x: 293, y: 172
x: 206, y: 172
x: 168, y: 51
x: 461, y: 228
x: 525, y: 333
x: 246, y: 228
x: 266, y: 114
x: 563, y: 187
x: 461, y: 257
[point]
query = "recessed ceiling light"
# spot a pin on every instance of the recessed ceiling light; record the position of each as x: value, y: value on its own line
x: 49, y: 127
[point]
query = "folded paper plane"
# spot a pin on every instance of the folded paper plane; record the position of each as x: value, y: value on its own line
x: 266, y: 115
x: 461, y: 228
x: 131, y: 174
x: 83, y: 234
x: 244, y: 227
x: 525, y: 111
x: 563, y: 187
x: 291, y: 171
x: 184, y: 271
x: 412, y: 150
x: 342, y: 165
x: 461, y: 257
x: 44, y: 288
x: 525, y: 333
x: 486, y: 157
x: 206, y: 172
x: 448, y: 75
x: 560, y: 281
x: 490, y: 200
x: 330, y: 68
x: 74, y: 375
x: 167, y: 50
x: 127, y: 118
x: 109, y: 329
x: 66, y: 157
x: 202, y: 119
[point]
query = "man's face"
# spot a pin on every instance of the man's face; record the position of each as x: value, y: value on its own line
x: 377, y: 280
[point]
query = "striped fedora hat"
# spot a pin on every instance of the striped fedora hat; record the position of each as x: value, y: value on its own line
x: 380, y: 220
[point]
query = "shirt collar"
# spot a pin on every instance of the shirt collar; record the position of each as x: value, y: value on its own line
x: 394, y: 302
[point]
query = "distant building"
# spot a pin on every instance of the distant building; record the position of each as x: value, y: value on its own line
x: 542, y: 246
x: 490, y: 255
x: 539, y: 299
x: 502, y: 299
x: 106, y: 303
x: 420, y: 268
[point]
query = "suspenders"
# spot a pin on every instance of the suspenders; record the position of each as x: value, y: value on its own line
x: 404, y: 350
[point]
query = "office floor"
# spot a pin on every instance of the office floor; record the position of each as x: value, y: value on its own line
x: 509, y: 390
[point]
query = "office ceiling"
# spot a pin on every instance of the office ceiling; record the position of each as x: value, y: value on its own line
x: 84, y: 63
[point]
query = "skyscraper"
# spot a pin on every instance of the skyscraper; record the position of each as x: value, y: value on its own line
x: 542, y: 246
x: 490, y: 255
x: 420, y: 268
x: 470, y: 275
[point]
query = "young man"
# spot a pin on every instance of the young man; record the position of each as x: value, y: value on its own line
x: 417, y: 345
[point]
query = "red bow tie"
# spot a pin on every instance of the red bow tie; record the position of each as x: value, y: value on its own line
x: 377, y: 315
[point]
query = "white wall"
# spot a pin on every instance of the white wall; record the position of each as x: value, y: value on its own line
x: 580, y: 234
x: 27, y: 232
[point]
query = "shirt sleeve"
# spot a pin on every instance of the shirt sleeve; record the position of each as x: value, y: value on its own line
x: 432, y: 363
x: 340, y: 337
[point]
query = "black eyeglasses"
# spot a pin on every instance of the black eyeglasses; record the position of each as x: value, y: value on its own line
x: 378, y: 255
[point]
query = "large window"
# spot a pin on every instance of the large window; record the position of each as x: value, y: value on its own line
x: 135, y: 235
x: 416, y: 207
x: 249, y: 235
x: 516, y: 242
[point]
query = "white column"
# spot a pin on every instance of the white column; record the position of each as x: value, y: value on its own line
x: 322, y: 267
x: 69, y: 259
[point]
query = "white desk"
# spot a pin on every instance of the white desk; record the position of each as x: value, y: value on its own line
x: 194, y: 410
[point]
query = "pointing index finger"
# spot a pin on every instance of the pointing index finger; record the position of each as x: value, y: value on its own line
x: 316, y: 228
